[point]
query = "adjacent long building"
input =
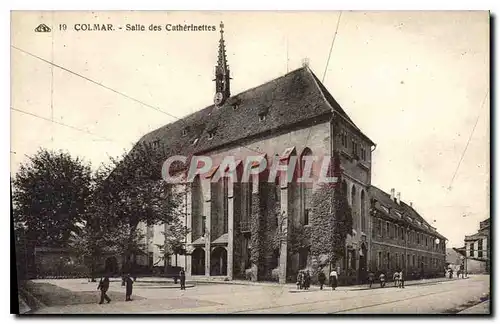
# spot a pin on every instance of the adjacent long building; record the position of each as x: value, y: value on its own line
x: 293, y: 115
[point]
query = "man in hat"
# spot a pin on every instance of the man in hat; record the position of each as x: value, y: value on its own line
x: 321, y: 278
x: 182, y: 277
x: 104, y: 286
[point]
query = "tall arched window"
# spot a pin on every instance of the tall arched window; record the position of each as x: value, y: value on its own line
x: 306, y: 188
x: 363, y: 212
x: 353, y: 208
x: 225, y: 203
x: 197, y: 219
x: 344, y: 187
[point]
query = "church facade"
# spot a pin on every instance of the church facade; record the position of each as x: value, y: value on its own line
x: 233, y: 224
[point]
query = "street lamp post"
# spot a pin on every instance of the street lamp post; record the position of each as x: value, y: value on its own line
x: 406, y: 254
x: 437, y: 244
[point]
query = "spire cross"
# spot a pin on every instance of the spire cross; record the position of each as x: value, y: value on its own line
x: 221, y: 27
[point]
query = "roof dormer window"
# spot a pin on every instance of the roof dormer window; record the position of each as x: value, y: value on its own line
x: 211, y: 134
x: 262, y: 110
x: 185, y: 131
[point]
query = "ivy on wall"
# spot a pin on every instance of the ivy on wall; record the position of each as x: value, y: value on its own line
x: 325, y: 238
x: 264, y: 240
x: 332, y: 221
x: 256, y: 220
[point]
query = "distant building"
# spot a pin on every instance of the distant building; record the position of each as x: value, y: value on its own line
x: 402, y: 239
x: 454, y: 259
x: 476, y: 249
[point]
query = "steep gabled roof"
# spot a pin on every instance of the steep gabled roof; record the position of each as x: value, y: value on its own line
x: 293, y: 98
x: 385, y: 199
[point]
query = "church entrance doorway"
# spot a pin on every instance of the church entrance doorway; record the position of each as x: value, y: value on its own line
x: 362, y: 263
x: 218, y: 260
x: 198, y: 262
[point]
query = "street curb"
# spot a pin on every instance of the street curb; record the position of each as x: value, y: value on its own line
x: 164, y: 287
x: 477, y: 309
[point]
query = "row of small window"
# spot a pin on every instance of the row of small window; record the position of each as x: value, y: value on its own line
x: 394, y: 231
x: 356, y: 148
x: 479, y: 249
x: 411, y: 260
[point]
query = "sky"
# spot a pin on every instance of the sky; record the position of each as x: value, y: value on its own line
x: 416, y: 83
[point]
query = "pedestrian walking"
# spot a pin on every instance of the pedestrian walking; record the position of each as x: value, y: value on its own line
x: 300, y: 276
x: 307, y: 280
x: 395, y: 278
x: 321, y: 279
x: 381, y: 277
x: 451, y: 273
x: 182, y: 277
x: 333, y: 279
x: 371, y: 278
x: 128, y: 287
x: 401, y: 279
x: 104, y: 286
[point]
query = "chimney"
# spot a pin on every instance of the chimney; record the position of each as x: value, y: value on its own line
x: 305, y: 62
x: 392, y: 194
x: 398, y: 199
x: 411, y: 204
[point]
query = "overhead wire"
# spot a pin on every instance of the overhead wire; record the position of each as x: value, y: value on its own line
x: 468, y: 140
x: 96, y: 83
x: 62, y: 124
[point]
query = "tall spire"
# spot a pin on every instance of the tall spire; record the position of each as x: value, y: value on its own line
x: 222, y: 60
x: 222, y: 75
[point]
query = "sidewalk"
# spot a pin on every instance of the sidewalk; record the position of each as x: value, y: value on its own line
x: 292, y: 286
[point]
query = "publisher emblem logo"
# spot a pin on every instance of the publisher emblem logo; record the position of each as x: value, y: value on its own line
x: 42, y: 28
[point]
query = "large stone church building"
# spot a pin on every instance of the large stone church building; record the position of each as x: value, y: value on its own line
x: 293, y: 115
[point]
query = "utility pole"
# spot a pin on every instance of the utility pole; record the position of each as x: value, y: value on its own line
x: 406, y: 252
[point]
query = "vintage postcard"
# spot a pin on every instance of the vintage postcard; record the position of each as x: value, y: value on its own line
x: 206, y: 162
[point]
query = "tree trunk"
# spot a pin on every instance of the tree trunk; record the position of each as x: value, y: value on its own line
x: 93, y: 267
x: 133, y: 228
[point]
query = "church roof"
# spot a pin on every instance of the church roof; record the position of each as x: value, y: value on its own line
x: 405, y: 211
x: 293, y: 98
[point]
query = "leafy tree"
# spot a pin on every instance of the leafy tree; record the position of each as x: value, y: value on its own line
x: 135, y: 194
x: 50, y: 193
x: 96, y: 232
